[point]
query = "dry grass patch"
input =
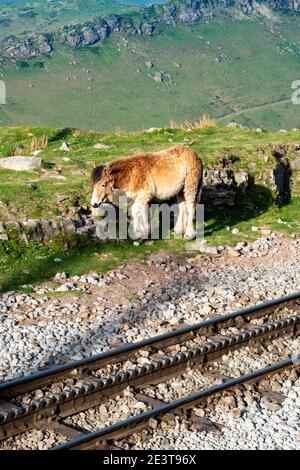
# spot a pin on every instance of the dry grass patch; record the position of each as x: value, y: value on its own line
x: 204, y: 122
x: 37, y: 144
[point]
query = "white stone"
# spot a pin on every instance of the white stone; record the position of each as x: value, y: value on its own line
x: 65, y: 147
x: 100, y: 146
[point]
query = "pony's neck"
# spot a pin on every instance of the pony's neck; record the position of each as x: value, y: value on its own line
x: 121, y: 181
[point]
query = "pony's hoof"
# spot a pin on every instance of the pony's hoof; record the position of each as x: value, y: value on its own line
x: 190, y: 236
x: 178, y: 231
x: 140, y: 235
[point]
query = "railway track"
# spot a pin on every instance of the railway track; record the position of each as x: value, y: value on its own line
x: 94, y: 384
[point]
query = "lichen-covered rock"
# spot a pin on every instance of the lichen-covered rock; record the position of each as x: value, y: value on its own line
x: 103, y: 30
x: 220, y: 187
x: 32, y: 47
x: 242, y: 180
x: 295, y: 164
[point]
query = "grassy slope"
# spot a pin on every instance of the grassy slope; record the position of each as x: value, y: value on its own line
x: 34, y: 194
x: 258, y: 71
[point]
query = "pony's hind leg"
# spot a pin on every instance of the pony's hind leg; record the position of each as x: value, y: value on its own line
x: 145, y: 220
x: 191, y: 190
x: 190, y: 232
x: 181, y: 223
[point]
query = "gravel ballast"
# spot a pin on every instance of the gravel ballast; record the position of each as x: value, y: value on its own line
x: 89, y: 314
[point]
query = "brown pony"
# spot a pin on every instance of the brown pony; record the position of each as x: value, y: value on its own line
x: 161, y: 175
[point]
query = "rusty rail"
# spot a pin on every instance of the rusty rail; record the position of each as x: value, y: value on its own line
x: 47, y: 376
x: 137, y: 423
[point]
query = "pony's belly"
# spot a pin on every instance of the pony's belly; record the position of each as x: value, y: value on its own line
x: 169, y: 181
x: 166, y: 193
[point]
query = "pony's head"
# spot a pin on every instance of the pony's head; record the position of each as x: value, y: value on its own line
x: 102, y: 185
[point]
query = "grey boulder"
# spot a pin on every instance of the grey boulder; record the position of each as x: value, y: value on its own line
x: 20, y: 163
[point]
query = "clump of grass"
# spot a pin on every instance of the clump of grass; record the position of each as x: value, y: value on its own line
x: 126, y: 134
x: 204, y: 122
x: 28, y: 148
x: 121, y: 133
x: 78, y: 133
x: 16, y: 151
x: 173, y: 124
x: 37, y: 144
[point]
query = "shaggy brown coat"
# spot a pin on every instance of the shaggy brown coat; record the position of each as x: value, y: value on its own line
x: 161, y: 175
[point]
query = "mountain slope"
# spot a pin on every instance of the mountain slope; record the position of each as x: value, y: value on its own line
x: 231, y: 64
x: 147, y: 21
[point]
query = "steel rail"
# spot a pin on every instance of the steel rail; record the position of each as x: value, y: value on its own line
x: 48, y: 376
x: 137, y: 423
x: 19, y: 418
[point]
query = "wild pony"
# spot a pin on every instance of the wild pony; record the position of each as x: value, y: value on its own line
x: 176, y: 171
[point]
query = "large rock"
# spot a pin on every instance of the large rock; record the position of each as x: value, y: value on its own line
x: 20, y: 163
x: 295, y: 164
x: 281, y: 175
x: 34, y: 46
x: 242, y: 180
x: 221, y: 187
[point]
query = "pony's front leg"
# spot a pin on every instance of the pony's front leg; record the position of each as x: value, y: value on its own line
x: 145, y: 220
x: 190, y: 232
x: 140, y: 216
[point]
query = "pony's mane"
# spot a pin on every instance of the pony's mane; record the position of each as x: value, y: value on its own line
x: 126, y: 163
x: 115, y: 167
x: 97, y: 173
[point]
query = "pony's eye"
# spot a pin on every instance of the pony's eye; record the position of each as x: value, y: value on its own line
x: 103, y: 185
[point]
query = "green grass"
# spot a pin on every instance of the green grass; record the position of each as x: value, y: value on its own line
x: 34, y: 263
x: 245, y: 147
x: 109, y: 88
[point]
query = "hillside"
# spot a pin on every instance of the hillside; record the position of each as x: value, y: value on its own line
x: 60, y: 192
x: 173, y: 61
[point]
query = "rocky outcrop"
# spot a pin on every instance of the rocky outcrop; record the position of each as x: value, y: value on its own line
x: 44, y: 230
x: 284, y: 5
x: 146, y: 22
x: 281, y: 175
x: 88, y: 34
x: 33, y: 47
x: 221, y: 187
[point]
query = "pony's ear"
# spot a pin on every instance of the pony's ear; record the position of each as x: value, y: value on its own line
x: 97, y: 173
